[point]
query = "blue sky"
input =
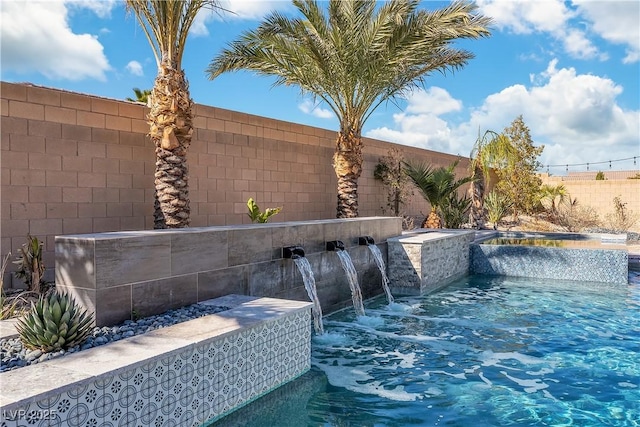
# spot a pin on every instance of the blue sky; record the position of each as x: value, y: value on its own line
x: 571, y: 68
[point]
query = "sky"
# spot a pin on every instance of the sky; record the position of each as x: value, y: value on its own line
x: 570, y: 68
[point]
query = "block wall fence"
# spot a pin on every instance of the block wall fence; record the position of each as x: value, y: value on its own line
x: 599, y: 194
x: 74, y: 164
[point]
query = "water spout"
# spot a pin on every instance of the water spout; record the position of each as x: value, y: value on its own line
x: 377, y: 256
x: 335, y: 245
x: 366, y: 240
x: 292, y: 252
x: 352, y: 277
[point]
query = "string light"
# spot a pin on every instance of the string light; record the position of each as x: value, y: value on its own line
x: 589, y: 164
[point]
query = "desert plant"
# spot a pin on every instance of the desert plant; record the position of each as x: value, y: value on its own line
x: 455, y: 211
x: 636, y: 176
x: 574, y: 218
x: 621, y: 220
x: 55, y: 322
x: 437, y: 186
x: 257, y: 215
x: 497, y: 206
x: 390, y: 171
x: 552, y: 197
x: 30, y: 265
x: 9, y: 306
x: 600, y: 176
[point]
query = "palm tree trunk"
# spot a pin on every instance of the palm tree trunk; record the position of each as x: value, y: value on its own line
x: 171, y: 126
x: 477, y: 189
x: 347, y: 163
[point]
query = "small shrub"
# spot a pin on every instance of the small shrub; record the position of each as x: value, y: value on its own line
x: 600, y: 176
x: 574, y: 217
x: 621, y: 220
x: 390, y: 170
x: 257, y: 215
x: 54, y: 323
x: 497, y: 206
x: 30, y: 265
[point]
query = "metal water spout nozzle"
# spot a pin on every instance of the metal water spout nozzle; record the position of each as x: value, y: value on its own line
x: 292, y: 252
x: 366, y: 240
x: 335, y: 245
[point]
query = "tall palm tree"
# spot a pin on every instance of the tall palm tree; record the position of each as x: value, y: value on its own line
x: 490, y: 151
x: 437, y: 187
x: 166, y: 24
x: 354, y: 57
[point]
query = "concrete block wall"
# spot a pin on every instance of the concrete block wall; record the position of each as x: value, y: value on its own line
x: 599, y: 195
x: 75, y: 164
x: 124, y: 274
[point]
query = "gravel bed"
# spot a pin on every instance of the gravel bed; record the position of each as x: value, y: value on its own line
x: 14, y: 355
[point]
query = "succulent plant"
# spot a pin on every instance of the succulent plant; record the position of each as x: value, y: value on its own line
x: 53, y: 323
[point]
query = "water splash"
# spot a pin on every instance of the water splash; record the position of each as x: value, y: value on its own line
x: 310, y: 285
x: 352, y: 276
x: 377, y: 256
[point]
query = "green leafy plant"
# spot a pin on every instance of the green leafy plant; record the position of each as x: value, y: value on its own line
x: 437, y: 187
x: 455, y: 211
x: 600, y: 176
x: 497, y: 206
x: 55, y: 322
x: 257, y: 215
x: 30, y: 265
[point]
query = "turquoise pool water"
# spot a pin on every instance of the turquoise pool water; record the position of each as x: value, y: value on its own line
x: 485, y: 351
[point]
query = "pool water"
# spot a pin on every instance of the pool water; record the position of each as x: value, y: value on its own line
x: 485, y: 351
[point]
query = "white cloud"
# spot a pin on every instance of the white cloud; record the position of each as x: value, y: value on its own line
x: 36, y: 37
x: 615, y: 21
x: 576, y: 116
x: 419, y: 125
x: 236, y: 9
x: 135, y: 68
x: 548, y: 16
x: 102, y: 8
x: 253, y: 9
x: 307, y: 106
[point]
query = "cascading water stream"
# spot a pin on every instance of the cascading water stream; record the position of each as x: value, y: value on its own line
x: 352, y: 276
x: 377, y: 256
x: 310, y: 285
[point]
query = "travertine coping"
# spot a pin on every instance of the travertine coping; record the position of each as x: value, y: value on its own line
x: 36, y: 382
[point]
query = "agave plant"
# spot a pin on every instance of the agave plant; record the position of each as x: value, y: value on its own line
x: 54, y: 323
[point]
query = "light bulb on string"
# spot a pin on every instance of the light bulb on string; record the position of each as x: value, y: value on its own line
x: 587, y: 166
x: 609, y: 164
x: 567, y: 168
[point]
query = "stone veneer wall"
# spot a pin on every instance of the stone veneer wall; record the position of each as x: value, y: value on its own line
x: 76, y: 164
x: 183, y: 375
x: 425, y: 262
x: 117, y: 275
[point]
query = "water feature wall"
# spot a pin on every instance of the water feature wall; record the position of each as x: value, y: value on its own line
x: 423, y: 262
x: 117, y: 275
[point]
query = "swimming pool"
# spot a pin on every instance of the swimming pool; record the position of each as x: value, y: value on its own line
x: 485, y: 351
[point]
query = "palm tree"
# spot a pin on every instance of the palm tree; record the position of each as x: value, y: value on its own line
x: 490, y: 151
x: 552, y: 196
x: 437, y: 187
x: 166, y: 24
x: 141, y: 95
x: 354, y: 57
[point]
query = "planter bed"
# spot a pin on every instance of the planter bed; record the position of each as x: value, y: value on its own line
x: 182, y: 375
